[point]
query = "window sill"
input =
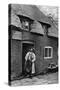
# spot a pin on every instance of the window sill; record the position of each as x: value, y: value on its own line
x: 47, y: 57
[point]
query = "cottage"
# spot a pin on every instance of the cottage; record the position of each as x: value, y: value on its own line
x: 29, y: 27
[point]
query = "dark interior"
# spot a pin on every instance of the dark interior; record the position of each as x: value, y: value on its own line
x: 25, y: 49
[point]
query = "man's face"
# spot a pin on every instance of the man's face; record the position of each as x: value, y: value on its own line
x: 31, y: 50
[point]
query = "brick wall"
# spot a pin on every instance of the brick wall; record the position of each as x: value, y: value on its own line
x: 16, y: 61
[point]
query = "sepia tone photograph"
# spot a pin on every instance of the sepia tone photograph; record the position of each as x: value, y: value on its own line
x: 33, y: 45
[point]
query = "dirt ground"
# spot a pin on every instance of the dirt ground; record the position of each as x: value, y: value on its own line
x: 37, y: 80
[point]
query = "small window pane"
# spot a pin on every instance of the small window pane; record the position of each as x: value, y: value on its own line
x: 49, y: 52
x: 46, y: 52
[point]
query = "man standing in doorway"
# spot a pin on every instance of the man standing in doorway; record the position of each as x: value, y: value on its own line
x: 30, y: 62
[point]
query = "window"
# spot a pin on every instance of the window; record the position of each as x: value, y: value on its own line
x: 48, y: 52
x: 45, y: 28
x: 25, y: 25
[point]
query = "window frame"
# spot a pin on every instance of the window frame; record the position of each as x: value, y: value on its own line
x: 48, y: 57
x: 23, y: 26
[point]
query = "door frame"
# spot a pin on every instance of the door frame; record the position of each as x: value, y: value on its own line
x: 27, y: 42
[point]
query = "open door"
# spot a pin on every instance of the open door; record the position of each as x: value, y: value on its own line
x: 25, y: 49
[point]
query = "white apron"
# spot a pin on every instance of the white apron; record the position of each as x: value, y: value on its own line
x: 33, y: 68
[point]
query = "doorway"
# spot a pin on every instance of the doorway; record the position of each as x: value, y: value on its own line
x: 25, y: 49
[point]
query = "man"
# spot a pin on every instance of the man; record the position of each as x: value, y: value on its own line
x: 30, y: 62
